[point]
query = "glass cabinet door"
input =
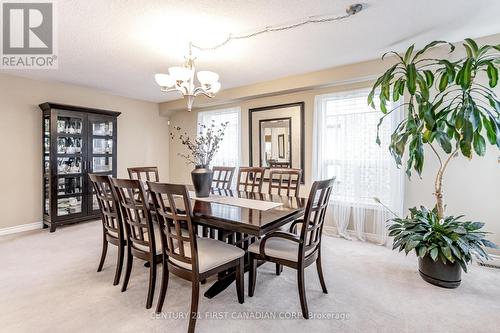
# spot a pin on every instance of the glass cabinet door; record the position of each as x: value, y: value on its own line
x: 46, y: 164
x: 102, y: 152
x: 70, y: 152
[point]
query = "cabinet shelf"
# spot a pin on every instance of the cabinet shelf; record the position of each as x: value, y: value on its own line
x: 68, y: 197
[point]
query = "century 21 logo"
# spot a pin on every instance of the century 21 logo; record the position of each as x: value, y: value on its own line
x: 27, y: 28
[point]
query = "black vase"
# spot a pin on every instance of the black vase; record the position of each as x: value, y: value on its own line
x: 202, y: 180
x: 447, y: 275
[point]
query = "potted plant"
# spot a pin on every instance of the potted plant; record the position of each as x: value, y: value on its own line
x: 449, y: 110
x: 202, y: 150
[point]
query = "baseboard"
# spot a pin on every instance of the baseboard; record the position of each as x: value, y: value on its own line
x: 332, y: 231
x: 21, y: 228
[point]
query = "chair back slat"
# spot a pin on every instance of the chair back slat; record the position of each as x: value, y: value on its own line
x: 135, y: 213
x: 223, y: 177
x: 285, y: 181
x: 108, y: 204
x: 314, y: 216
x: 173, y: 209
x: 250, y: 179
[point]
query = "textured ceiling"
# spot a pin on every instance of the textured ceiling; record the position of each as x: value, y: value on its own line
x: 118, y: 45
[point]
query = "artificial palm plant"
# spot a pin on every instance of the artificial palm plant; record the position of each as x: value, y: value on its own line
x: 451, y: 108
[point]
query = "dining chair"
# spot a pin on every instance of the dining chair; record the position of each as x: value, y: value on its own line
x: 296, y: 251
x: 143, y: 241
x: 285, y: 181
x: 144, y: 173
x: 223, y: 177
x: 112, y: 226
x: 186, y: 255
x: 250, y: 179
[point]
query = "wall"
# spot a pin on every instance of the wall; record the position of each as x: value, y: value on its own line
x: 471, y: 187
x: 142, y: 139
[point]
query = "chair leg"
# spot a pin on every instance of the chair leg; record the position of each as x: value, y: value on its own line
x: 195, y: 295
x: 164, y: 286
x: 119, y: 264
x: 240, y: 280
x: 152, y: 283
x: 320, y: 273
x: 252, y: 275
x: 104, y: 251
x: 302, y: 292
x: 128, y: 270
x: 279, y: 269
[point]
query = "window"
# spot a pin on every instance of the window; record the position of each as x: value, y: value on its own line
x: 229, y: 153
x: 345, y: 130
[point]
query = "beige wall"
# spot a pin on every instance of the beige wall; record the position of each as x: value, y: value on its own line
x: 142, y: 139
x: 471, y: 187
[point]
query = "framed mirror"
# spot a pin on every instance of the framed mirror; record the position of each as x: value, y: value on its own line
x: 277, y: 137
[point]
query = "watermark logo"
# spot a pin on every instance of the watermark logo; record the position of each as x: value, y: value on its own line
x: 28, y: 35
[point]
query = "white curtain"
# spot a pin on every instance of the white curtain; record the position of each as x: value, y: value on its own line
x: 344, y: 146
x: 229, y: 153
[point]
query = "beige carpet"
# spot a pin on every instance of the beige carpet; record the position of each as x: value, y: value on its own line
x: 49, y: 283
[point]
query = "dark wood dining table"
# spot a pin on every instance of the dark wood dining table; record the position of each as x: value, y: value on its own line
x: 241, y: 225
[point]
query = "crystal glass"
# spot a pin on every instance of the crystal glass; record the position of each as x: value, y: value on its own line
x: 102, y: 146
x: 69, y: 125
x: 102, y: 164
x: 66, y: 206
x: 69, y: 145
x: 102, y: 128
x: 68, y: 165
x: 69, y: 185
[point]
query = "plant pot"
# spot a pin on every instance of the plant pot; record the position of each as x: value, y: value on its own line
x: 447, y: 275
x: 202, y: 180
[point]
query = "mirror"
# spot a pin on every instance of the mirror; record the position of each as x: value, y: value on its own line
x: 275, y: 142
x: 276, y: 137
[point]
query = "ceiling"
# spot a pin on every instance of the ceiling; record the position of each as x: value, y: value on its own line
x: 118, y: 45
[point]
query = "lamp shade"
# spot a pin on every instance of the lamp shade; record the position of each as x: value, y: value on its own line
x: 215, y: 87
x: 207, y: 77
x: 180, y: 73
x: 164, y: 80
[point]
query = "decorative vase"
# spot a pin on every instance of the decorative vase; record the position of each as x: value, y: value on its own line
x: 202, y: 180
x: 447, y: 275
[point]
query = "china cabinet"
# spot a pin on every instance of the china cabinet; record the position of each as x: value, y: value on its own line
x: 76, y: 141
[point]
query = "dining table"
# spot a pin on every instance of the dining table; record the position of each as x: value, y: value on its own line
x: 239, y: 218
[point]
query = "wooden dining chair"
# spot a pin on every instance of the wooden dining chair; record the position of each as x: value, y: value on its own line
x: 296, y: 251
x: 186, y: 255
x: 223, y: 177
x: 250, y: 179
x: 112, y: 226
x: 285, y: 182
x: 143, y: 241
x: 144, y: 173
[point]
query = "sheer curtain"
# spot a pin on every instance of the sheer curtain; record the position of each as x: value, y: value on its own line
x: 229, y: 153
x: 344, y: 146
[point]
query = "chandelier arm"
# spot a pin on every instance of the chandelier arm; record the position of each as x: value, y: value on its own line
x: 350, y: 11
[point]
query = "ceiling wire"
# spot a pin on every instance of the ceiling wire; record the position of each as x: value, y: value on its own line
x: 350, y: 11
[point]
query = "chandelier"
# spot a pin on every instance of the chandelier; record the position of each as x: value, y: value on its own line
x: 181, y: 79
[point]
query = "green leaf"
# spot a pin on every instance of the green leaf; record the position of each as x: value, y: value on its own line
x: 408, y: 53
x: 434, y: 253
x: 492, y: 74
x: 466, y: 75
x: 443, y: 82
x: 444, y: 142
x: 465, y: 148
x: 429, y: 77
x: 421, y: 251
x: 490, y: 130
x: 479, y: 144
x: 411, y: 74
x: 472, y: 45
